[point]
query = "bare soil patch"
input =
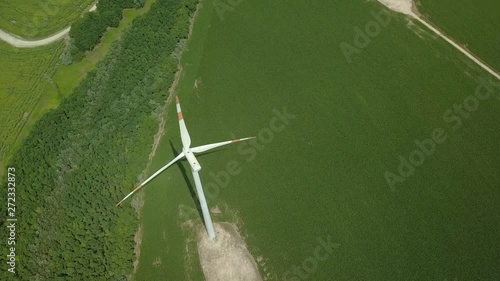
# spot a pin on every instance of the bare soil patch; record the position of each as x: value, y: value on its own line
x: 227, y: 258
x: 402, y: 6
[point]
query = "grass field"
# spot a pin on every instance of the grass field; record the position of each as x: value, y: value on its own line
x: 473, y: 23
x: 322, y: 175
x: 26, y: 89
x: 35, y: 19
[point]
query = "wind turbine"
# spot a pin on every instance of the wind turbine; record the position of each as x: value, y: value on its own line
x: 189, y: 154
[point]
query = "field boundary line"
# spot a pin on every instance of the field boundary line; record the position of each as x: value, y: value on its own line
x: 162, y: 118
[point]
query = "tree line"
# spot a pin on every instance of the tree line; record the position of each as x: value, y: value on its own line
x: 87, y: 31
x: 83, y: 157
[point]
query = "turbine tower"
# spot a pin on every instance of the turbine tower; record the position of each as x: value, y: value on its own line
x: 189, y: 154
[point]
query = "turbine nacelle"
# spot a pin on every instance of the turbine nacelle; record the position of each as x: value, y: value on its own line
x: 193, y: 162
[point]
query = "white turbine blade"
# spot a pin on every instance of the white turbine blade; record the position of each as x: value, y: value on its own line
x: 186, y: 140
x: 152, y: 177
x: 208, y: 147
x: 204, y: 207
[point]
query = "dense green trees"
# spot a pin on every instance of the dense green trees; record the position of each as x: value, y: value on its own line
x: 87, y: 31
x: 82, y: 157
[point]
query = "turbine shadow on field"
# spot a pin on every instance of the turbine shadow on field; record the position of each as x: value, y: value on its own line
x: 188, y: 182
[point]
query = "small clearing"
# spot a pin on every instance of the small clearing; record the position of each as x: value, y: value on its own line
x: 401, y: 6
x: 227, y: 258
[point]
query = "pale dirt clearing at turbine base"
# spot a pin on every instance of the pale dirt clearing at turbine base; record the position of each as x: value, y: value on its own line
x: 227, y: 258
x: 402, y: 6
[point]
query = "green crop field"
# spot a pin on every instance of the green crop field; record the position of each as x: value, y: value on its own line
x: 376, y: 155
x: 25, y: 82
x: 472, y: 23
x: 320, y: 174
x: 34, y: 19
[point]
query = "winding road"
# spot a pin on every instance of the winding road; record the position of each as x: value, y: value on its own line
x: 20, y: 42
